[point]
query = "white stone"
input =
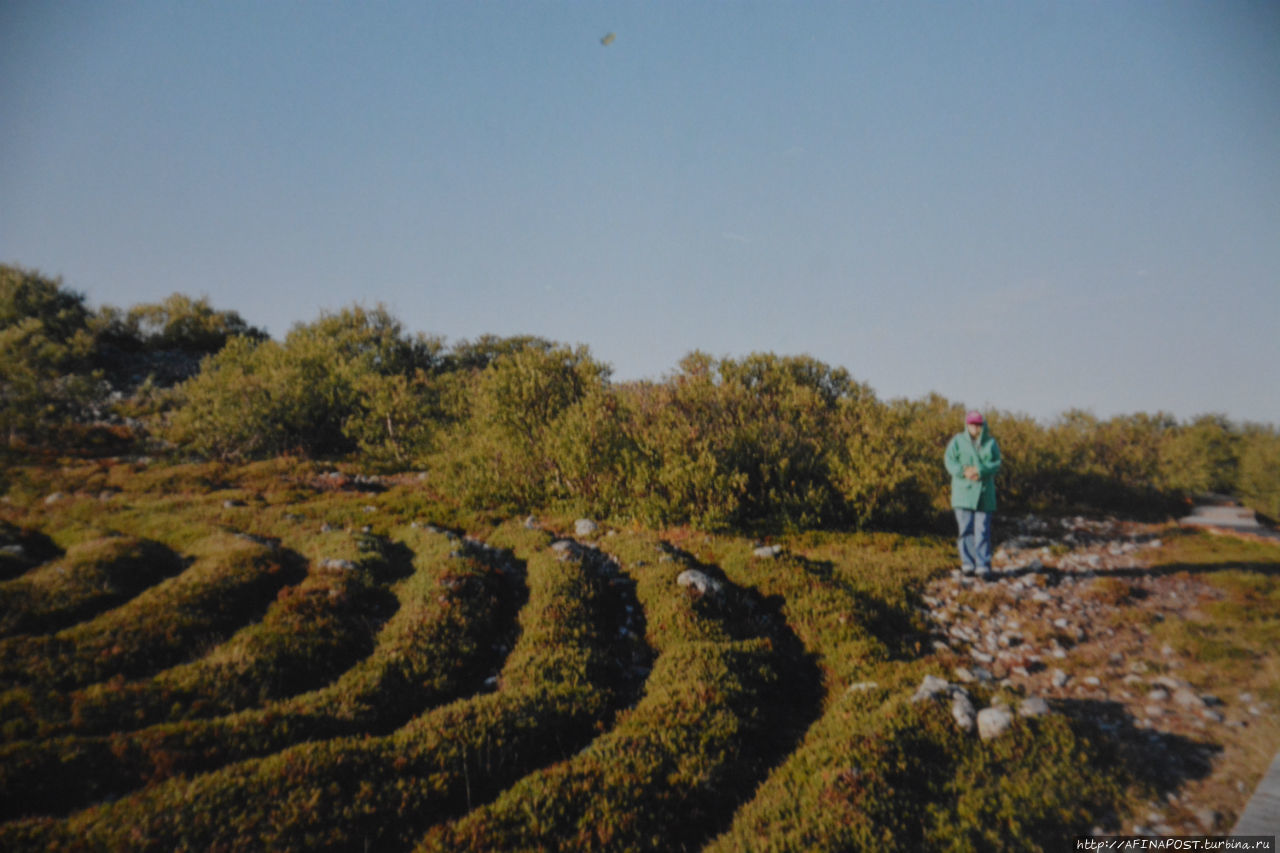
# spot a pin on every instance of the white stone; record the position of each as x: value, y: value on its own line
x: 584, y: 527
x: 931, y: 686
x: 993, y: 722
x: 700, y: 581
x: 1033, y: 706
x: 962, y: 712
x: 1188, y: 699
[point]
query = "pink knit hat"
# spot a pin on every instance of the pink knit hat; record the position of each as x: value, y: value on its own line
x: 974, y: 417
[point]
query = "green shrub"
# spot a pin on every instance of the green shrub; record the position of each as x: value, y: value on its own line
x: 873, y: 467
x: 177, y: 323
x: 327, y: 389
x: 46, y: 347
x: 1201, y: 456
x: 741, y: 443
x: 506, y: 418
x: 1259, y: 480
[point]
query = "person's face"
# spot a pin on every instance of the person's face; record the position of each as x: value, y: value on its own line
x: 974, y: 429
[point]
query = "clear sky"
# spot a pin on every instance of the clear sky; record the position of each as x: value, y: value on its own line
x: 1028, y: 205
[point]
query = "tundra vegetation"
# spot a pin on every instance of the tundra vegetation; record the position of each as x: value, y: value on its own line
x: 327, y: 593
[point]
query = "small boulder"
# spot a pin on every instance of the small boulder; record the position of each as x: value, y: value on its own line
x: 1188, y: 699
x: 962, y: 711
x: 585, y: 527
x: 1033, y: 706
x: 993, y: 722
x: 767, y: 552
x: 703, y: 583
x: 930, y: 687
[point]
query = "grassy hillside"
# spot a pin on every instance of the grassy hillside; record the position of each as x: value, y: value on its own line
x: 284, y: 655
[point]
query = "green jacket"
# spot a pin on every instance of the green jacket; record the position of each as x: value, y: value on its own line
x: 973, y: 494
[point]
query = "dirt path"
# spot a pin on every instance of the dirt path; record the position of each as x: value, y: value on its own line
x: 1074, y: 613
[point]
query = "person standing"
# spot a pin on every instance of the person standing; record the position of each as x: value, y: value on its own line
x: 972, y: 459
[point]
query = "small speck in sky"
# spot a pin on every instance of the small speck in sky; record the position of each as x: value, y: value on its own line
x: 608, y: 40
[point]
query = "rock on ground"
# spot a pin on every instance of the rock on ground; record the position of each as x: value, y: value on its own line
x: 700, y: 581
x: 993, y: 722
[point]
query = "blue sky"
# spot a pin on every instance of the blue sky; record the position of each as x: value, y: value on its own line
x: 1033, y: 206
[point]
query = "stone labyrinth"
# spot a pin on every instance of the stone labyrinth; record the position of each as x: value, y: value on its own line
x: 336, y: 663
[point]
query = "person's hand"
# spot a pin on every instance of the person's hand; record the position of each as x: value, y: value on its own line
x: 971, y: 472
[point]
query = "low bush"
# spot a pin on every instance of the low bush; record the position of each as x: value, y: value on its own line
x: 324, y: 390
x: 46, y: 349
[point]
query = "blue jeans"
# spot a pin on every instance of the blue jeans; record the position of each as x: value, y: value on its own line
x: 975, y: 538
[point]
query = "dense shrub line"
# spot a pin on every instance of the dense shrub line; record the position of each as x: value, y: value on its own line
x: 454, y: 613
x: 678, y: 761
x: 349, y: 792
x: 92, y: 577
x: 763, y: 441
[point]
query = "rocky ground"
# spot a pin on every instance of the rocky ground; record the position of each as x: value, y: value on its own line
x: 1069, y: 616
